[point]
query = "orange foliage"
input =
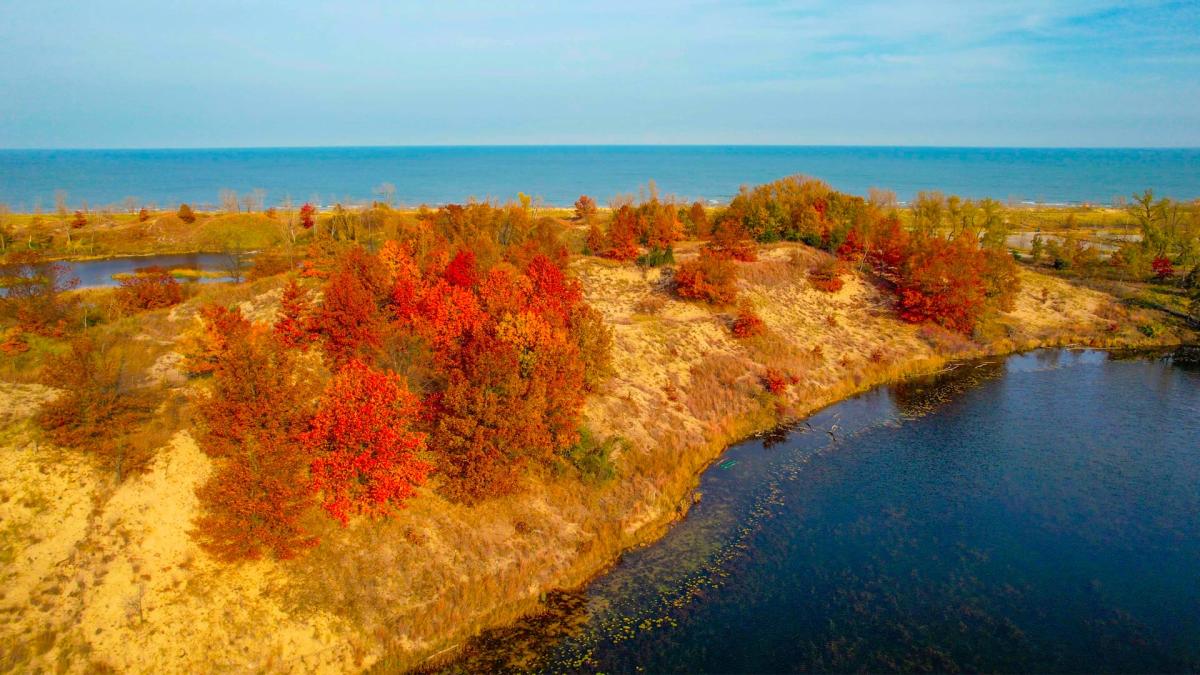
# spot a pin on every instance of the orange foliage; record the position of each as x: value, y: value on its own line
x: 363, y: 446
x: 942, y: 282
x: 585, y: 208
x: 710, y: 277
x: 748, y: 323
x: 254, y: 501
x: 291, y: 326
x: 730, y: 240
x: 623, y: 234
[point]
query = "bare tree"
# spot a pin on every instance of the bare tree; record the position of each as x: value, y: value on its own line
x: 6, y: 235
x: 130, y: 204
x: 884, y: 199
x: 60, y: 202
x: 228, y: 199
x: 387, y: 193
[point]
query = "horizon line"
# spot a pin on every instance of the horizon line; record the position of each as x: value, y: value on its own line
x: 596, y: 145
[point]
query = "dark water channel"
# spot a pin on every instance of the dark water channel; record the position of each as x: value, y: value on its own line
x: 1036, y: 513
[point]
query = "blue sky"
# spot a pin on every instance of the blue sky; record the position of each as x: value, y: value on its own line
x: 161, y: 73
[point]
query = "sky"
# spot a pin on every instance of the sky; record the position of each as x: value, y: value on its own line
x: 223, y: 73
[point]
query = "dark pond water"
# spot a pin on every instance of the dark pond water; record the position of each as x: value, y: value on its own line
x: 1039, y: 513
x: 93, y: 273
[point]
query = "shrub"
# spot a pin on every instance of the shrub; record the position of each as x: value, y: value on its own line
x: 592, y: 458
x: 186, y: 214
x: 100, y: 405
x: 776, y: 381
x: 748, y: 324
x: 143, y: 215
x: 268, y: 265
x: 79, y: 220
x: 151, y: 288
x: 595, y: 243
x: 656, y: 257
x: 585, y: 208
x: 1163, y: 267
x: 33, y: 293
x: 827, y: 276
x: 709, y: 277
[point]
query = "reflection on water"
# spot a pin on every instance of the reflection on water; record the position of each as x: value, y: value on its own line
x: 1034, y: 513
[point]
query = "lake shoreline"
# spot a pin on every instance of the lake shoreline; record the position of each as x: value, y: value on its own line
x: 448, y: 655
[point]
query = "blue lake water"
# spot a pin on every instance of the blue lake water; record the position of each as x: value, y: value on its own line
x: 559, y: 174
x: 1039, y: 513
x: 94, y: 273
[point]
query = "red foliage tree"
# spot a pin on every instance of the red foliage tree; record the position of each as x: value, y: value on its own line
x: 365, y: 453
x: 623, y: 234
x: 352, y: 316
x: 585, y: 208
x: 220, y: 326
x: 1163, y: 267
x: 942, y: 282
x: 151, y: 288
x: 291, y: 326
x: 79, y: 220
x: 308, y: 216
x: 461, y: 271
x: 143, y: 214
x: 709, y: 277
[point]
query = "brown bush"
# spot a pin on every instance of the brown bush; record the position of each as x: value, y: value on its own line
x: 151, y: 288
x: 100, y: 406
x: 710, y: 277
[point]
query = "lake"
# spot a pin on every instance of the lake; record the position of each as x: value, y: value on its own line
x: 94, y: 273
x: 1035, y: 513
x: 559, y: 174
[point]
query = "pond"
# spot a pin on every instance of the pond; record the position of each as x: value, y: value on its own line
x: 94, y: 273
x: 1035, y: 513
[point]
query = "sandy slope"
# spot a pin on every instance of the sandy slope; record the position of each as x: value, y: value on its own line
x: 96, y: 575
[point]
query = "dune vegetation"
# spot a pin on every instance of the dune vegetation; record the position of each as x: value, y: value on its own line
x: 407, y: 425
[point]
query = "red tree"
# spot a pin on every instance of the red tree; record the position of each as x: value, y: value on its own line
x: 151, y: 288
x: 255, y: 499
x: 941, y: 282
x: 363, y: 446
x: 308, y: 216
x: 1163, y: 267
x: 291, y: 327
x: 623, y: 234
